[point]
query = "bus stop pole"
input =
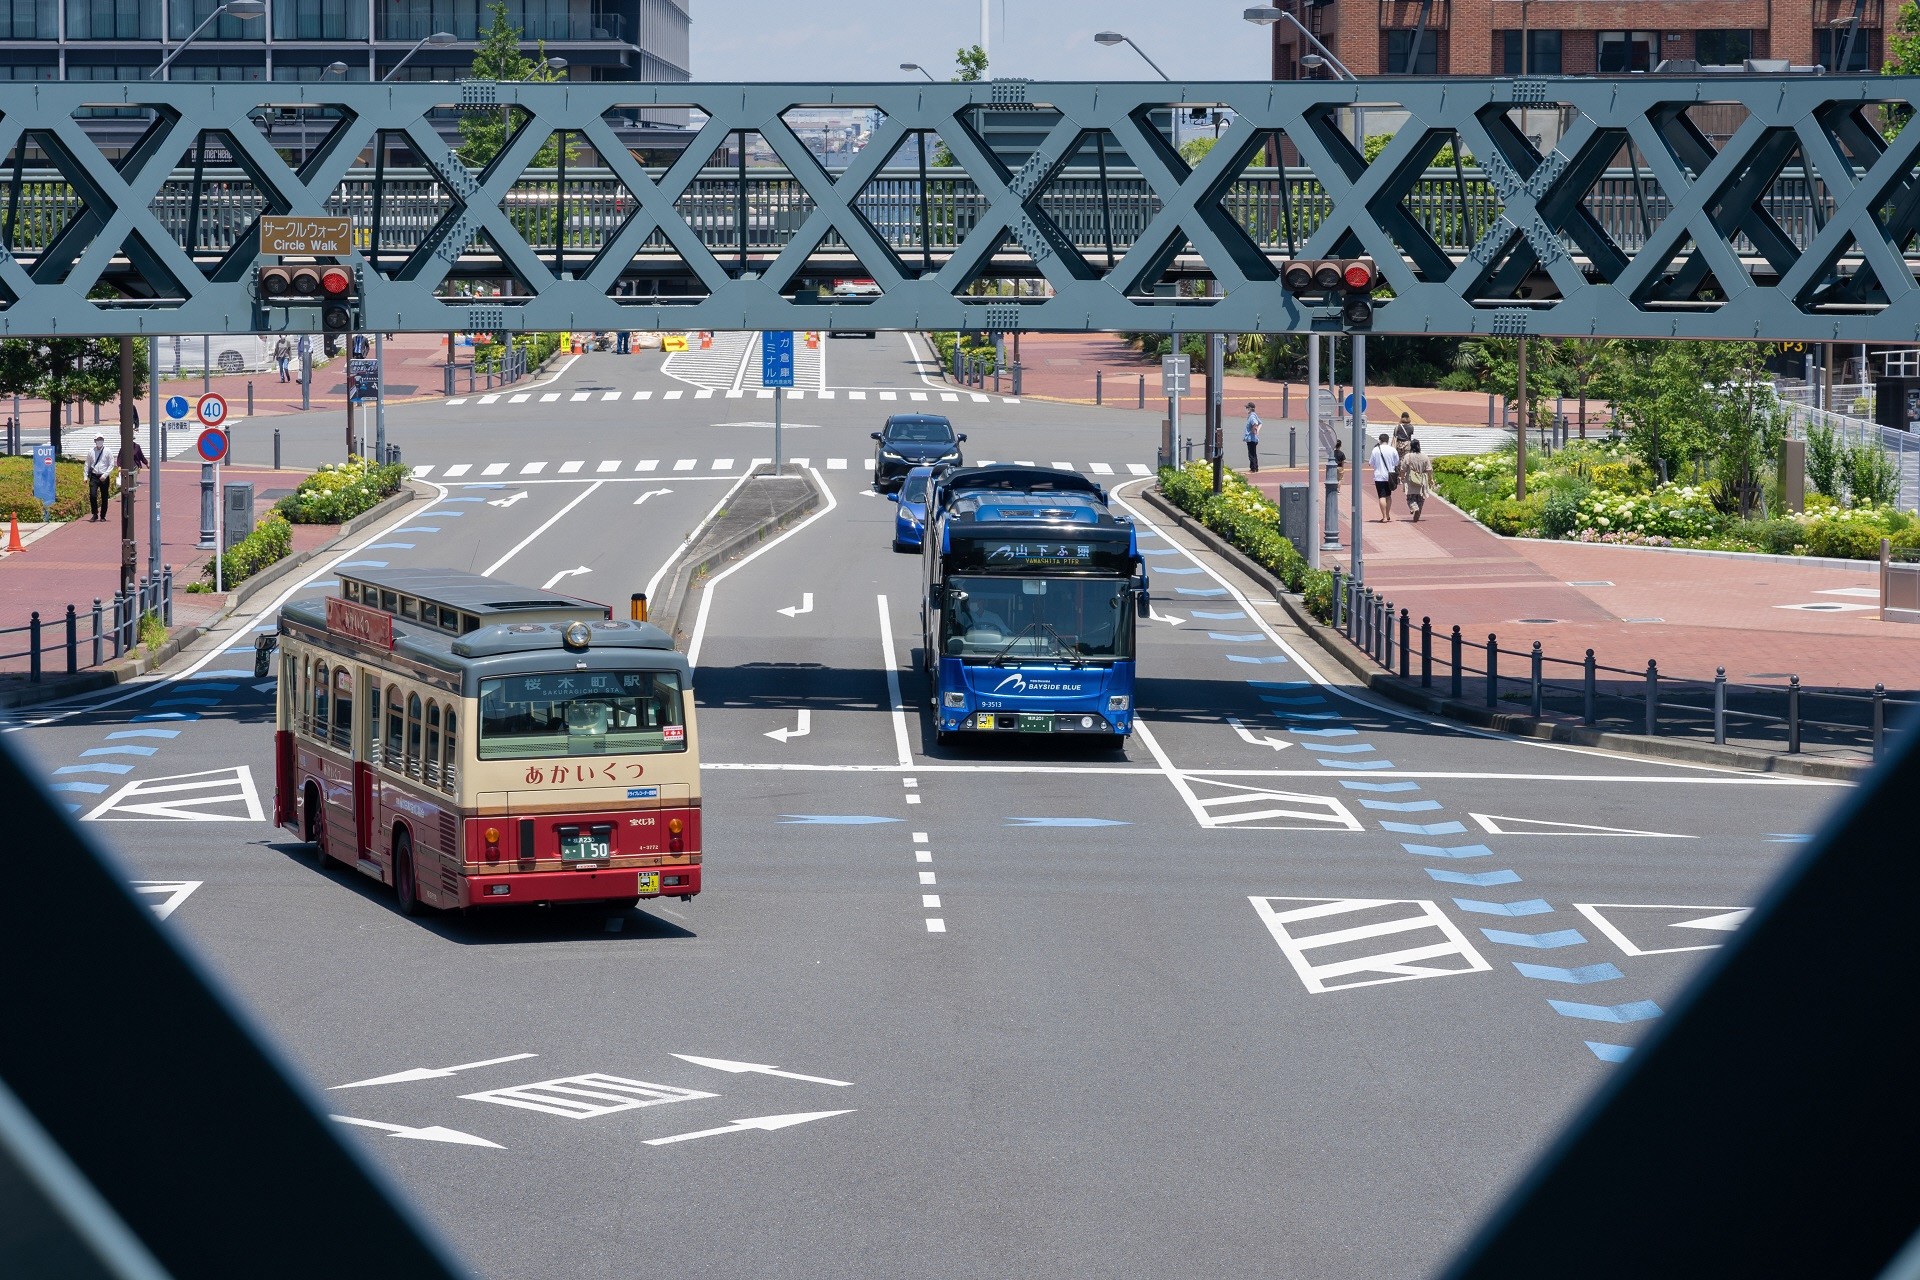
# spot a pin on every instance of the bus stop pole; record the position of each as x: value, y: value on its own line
x: 776, y: 429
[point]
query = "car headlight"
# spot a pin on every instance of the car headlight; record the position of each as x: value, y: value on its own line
x: 889, y: 453
x: 1118, y: 702
x: 956, y: 698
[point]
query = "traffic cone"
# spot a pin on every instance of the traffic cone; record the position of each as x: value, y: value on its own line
x: 14, y: 545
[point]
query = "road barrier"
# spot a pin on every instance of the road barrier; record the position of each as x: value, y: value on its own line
x: 112, y: 629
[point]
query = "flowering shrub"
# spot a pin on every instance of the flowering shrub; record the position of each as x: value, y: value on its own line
x: 338, y: 493
x: 270, y: 541
x: 1245, y: 517
x: 1672, y: 511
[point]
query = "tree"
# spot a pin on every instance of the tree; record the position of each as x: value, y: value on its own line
x: 970, y: 64
x: 484, y: 134
x: 1903, y: 59
x: 1682, y: 401
x: 64, y: 371
x: 1744, y: 423
x: 1194, y: 150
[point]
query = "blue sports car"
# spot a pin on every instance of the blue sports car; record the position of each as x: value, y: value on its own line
x: 911, y: 519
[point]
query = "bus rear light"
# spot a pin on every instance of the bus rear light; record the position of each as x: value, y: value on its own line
x: 673, y: 879
x: 499, y: 890
x: 493, y: 844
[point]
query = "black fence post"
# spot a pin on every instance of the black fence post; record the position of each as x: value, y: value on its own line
x: 1099, y: 387
x: 33, y: 647
x: 1293, y: 446
x: 119, y: 622
x: 73, y: 641
x: 1793, y: 715
x: 1653, y: 697
x: 99, y: 639
x: 1538, y: 659
x: 1879, y: 719
x: 1456, y: 662
x: 1333, y: 601
x: 1386, y: 634
x: 1589, y: 693
x: 1720, y: 706
x: 1426, y: 652
x: 1406, y: 638
x: 1493, y: 670
x: 166, y: 596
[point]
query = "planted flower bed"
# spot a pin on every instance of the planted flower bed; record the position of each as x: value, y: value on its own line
x: 1248, y: 519
x: 338, y: 493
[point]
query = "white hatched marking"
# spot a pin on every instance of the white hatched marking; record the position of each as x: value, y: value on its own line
x: 422, y: 469
x: 568, y: 468
x: 458, y: 469
x: 522, y: 398
x: 1138, y: 469
x: 836, y: 464
x: 1443, y: 952
x: 489, y: 399
x: 494, y: 469
x: 685, y: 464
x: 533, y: 468
x: 549, y: 397
x: 185, y: 797
x: 605, y: 467
x: 723, y: 464
x: 643, y: 395
x: 583, y: 1097
x: 578, y: 396
x: 1103, y: 468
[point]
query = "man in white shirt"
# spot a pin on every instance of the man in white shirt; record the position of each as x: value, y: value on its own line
x: 1386, y: 463
x: 100, y: 469
x: 1252, y: 436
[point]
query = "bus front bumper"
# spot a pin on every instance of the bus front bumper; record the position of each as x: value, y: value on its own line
x: 583, y: 886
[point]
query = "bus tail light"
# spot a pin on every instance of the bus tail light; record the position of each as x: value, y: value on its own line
x: 674, y: 828
x: 493, y: 844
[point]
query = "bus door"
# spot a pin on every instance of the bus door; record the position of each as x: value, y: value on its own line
x: 365, y: 807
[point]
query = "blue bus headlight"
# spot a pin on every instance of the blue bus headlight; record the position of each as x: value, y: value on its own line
x: 956, y: 698
x: 1118, y: 702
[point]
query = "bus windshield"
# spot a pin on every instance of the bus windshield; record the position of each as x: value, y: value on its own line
x: 1037, y: 619
x: 599, y: 713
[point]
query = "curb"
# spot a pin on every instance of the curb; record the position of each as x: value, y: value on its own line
x: 1514, y: 724
x: 690, y: 574
x: 124, y: 669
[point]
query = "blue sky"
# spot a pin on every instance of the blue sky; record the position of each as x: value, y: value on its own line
x: 819, y: 40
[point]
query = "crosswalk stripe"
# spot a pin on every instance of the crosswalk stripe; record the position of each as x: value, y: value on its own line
x: 976, y: 397
x: 824, y: 395
x: 686, y: 464
x: 549, y: 397
x: 461, y: 400
x: 800, y: 462
x: 1022, y: 462
x: 533, y: 468
x: 651, y: 464
x: 836, y: 464
x: 578, y: 396
x: 605, y: 467
x: 458, y: 469
x: 763, y: 394
x: 611, y: 395
x: 723, y: 464
x: 1102, y: 469
x: 421, y: 471
x: 568, y: 468
x: 643, y: 395
x: 1138, y: 469
x: 522, y: 398
x: 949, y: 397
x: 495, y: 469
x: 488, y: 399
x: 869, y: 464
x: 793, y: 393
x: 916, y: 395
x: 1063, y: 466
x: 673, y: 395
x: 888, y: 395
x: 856, y: 395
x: 1010, y: 400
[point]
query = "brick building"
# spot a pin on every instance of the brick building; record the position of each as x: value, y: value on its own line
x: 1580, y: 37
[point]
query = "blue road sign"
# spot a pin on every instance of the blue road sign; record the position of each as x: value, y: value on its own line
x: 1347, y: 404
x: 178, y: 408
x: 43, y: 490
x: 212, y: 444
x: 776, y: 358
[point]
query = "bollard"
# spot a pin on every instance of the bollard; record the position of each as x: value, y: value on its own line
x: 119, y: 620
x: 1143, y: 392
x: 1099, y: 387
x: 1879, y: 719
x: 249, y: 397
x: 33, y: 647
x: 73, y: 641
x: 276, y: 448
x: 1533, y: 676
x: 99, y: 639
x: 1653, y: 697
x: 470, y: 380
x: 1589, y: 693
x: 1333, y: 601
x: 1383, y: 632
x: 1493, y: 670
x: 1286, y: 400
x: 1406, y: 635
x: 1369, y: 615
x: 1489, y: 411
x: 166, y: 596
x: 1426, y: 652
x: 1792, y: 714
x: 1293, y: 442
x: 1456, y: 662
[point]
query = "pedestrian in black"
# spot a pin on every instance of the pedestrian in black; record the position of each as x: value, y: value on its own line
x: 100, y: 468
x: 1252, y: 436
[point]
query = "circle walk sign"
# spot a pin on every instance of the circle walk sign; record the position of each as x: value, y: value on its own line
x: 178, y: 408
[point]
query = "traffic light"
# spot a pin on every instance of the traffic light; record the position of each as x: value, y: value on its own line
x: 329, y: 287
x: 1346, y: 281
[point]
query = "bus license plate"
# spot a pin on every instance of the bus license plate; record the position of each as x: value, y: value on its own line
x: 573, y: 848
x: 1036, y: 724
x: 649, y: 882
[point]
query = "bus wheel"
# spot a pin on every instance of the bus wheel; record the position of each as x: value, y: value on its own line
x: 403, y: 886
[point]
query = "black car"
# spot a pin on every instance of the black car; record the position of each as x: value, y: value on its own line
x: 912, y: 440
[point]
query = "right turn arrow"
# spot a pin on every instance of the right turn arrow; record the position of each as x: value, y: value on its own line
x: 1246, y: 736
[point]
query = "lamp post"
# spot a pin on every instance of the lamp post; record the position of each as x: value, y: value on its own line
x: 438, y: 39
x: 1110, y: 38
x: 244, y: 10
x: 914, y: 66
x: 332, y: 69
x: 1266, y: 15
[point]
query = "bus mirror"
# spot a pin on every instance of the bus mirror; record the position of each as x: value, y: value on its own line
x: 1142, y: 603
x: 263, y: 655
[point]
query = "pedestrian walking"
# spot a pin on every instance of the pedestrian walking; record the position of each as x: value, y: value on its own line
x: 1416, y: 472
x: 1386, y: 468
x: 100, y: 468
x: 1403, y: 434
x: 1252, y: 436
x: 283, y: 356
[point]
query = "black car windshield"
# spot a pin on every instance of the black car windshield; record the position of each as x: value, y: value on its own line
x: 920, y: 432
x: 914, y: 490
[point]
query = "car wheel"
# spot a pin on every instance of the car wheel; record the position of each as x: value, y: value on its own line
x: 404, y: 888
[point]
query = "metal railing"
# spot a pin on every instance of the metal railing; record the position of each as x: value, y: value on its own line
x: 84, y: 638
x: 1901, y: 447
x: 1644, y: 702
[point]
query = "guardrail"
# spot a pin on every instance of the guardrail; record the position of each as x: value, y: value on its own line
x: 84, y: 638
x: 1642, y: 702
x: 1902, y: 447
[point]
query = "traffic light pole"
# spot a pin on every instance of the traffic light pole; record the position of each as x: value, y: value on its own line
x: 1358, y: 448
x: 156, y: 450
x: 1315, y: 479
x: 379, y: 401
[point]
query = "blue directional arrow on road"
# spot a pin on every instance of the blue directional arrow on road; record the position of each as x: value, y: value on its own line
x: 1066, y: 822
x: 834, y: 819
x: 1633, y: 1011
x: 1585, y: 973
x: 1478, y: 879
x: 1538, y: 941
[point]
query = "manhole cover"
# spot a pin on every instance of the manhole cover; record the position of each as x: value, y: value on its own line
x: 1598, y: 583
x: 1539, y: 621
x: 1643, y: 619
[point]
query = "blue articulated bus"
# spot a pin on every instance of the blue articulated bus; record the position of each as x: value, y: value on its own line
x: 1032, y: 590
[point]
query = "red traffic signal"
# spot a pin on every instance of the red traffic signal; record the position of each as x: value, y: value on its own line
x: 1358, y: 275
x: 336, y: 282
x: 1329, y: 275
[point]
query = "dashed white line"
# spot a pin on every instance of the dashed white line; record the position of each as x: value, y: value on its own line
x: 568, y: 468
x: 930, y: 901
x: 936, y: 925
x: 495, y: 469
x: 926, y: 877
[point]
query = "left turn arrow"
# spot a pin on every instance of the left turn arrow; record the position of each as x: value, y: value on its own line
x: 433, y: 1073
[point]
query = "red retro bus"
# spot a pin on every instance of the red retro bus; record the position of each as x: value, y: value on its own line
x: 472, y: 742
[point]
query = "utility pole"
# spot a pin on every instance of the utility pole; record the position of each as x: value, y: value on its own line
x: 129, y: 474
x: 1358, y: 396
x: 156, y: 448
x: 1316, y: 478
x: 1520, y: 426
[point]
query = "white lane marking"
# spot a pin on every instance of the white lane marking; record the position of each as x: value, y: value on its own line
x: 554, y: 519
x: 653, y: 583
x: 522, y: 398
x: 913, y: 799
x: 533, y: 468
x: 171, y: 893
x: 1761, y: 780
x: 606, y: 467
x: 856, y: 395
x: 836, y: 464
x: 460, y: 400
x: 888, y: 395
x: 431, y: 1073
x: 1403, y: 964
x: 926, y: 877
x: 424, y: 1133
x: 923, y: 855
x: 643, y: 395
x: 489, y: 399
x: 422, y: 471
x: 458, y: 469
x: 930, y: 901
x: 740, y: 370
x: 916, y: 395
x: 1138, y: 469
x: 548, y: 397
x: 1103, y: 468
x: 936, y: 925
x: 761, y: 1069
x: 568, y: 468
x: 648, y: 464
x: 675, y: 394
x: 578, y: 396
x: 902, y: 747
x: 686, y: 464
x: 765, y: 1123
x: 183, y: 797
x: 977, y: 398
x: 763, y: 394
x: 494, y: 469
x: 611, y: 395
x: 706, y: 597
x: 723, y: 464
x: 949, y: 397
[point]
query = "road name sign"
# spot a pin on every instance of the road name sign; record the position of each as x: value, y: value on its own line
x: 212, y: 444
x: 330, y: 237
x: 776, y: 358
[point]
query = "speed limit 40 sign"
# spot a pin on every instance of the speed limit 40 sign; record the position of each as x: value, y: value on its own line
x: 211, y: 409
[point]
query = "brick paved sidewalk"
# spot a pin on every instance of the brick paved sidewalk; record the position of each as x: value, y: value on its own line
x: 1690, y: 613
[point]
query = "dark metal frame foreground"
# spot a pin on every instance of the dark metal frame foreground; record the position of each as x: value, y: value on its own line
x: 160, y: 1096
x: 1767, y: 1126
x: 1716, y: 264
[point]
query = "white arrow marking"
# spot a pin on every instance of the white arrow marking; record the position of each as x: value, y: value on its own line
x: 1726, y: 923
x: 507, y: 502
x: 1154, y: 615
x: 429, y: 1133
x: 806, y: 720
x: 651, y: 493
x: 1246, y: 736
x: 434, y: 1073
x: 795, y: 610
x: 565, y: 573
x: 722, y: 1064
x: 769, y: 1123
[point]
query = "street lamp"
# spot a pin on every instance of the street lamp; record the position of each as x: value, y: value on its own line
x: 245, y: 10
x: 438, y: 39
x: 1266, y: 15
x: 546, y: 64
x: 914, y: 66
x: 1114, y: 37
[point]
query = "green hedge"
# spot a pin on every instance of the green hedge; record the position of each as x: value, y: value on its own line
x: 336, y: 494
x: 1246, y: 518
x: 978, y: 346
x: 69, y: 488
x: 270, y: 542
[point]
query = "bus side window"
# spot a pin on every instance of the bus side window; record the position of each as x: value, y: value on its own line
x: 321, y: 682
x: 432, y: 772
x: 413, y: 735
x: 373, y: 721
x: 450, y: 772
x: 396, y: 728
x: 343, y: 708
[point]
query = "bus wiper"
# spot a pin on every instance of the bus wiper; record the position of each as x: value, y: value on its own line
x: 1060, y: 646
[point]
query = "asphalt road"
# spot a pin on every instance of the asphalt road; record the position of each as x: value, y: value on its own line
x: 1294, y: 985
